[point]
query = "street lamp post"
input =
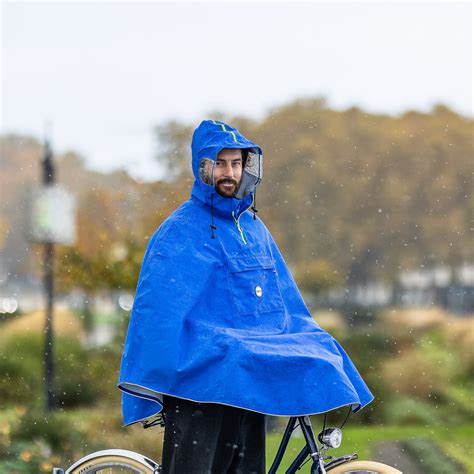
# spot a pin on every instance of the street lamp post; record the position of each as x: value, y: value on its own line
x: 52, y: 221
x: 48, y: 180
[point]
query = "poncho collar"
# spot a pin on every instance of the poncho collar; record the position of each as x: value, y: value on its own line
x: 221, y: 206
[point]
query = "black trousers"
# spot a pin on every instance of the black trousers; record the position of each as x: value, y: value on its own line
x: 207, y: 438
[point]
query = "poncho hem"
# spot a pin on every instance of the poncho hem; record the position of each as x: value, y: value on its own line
x: 158, y: 401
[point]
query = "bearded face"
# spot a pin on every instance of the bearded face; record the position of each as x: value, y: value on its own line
x: 228, y: 171
x: 225, y: 173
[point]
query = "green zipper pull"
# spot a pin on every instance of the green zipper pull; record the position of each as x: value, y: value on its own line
x: 241, y: 231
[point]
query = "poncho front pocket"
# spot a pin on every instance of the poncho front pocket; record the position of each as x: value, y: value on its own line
x: 254, y: 284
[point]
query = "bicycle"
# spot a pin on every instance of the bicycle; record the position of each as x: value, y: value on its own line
x: 119, y: 460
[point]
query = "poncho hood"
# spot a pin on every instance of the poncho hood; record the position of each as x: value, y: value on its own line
x: 218, y: 318
x: 209, y: 139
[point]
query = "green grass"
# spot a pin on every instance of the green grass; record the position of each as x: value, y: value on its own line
x: 455, y: 441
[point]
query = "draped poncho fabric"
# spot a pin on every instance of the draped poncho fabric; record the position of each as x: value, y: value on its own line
x: 221, y: 319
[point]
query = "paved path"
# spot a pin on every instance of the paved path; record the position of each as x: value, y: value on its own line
x: 393, y: 454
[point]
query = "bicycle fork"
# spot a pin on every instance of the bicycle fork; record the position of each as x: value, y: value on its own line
x: 310, y: 448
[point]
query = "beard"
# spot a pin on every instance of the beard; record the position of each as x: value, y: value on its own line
x: 224, y: 189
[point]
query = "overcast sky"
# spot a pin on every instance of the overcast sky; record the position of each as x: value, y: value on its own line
x: 104, y: 73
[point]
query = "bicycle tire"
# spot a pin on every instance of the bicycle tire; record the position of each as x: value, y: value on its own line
x: 119, y: 459
x: 363, y: 467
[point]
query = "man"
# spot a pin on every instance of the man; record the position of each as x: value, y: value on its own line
x: 219, y: 334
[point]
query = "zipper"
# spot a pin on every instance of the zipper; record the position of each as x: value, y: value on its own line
x: 236, y: 221
x: 239, y: 227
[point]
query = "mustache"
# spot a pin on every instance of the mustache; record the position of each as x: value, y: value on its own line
x: 226, y: 180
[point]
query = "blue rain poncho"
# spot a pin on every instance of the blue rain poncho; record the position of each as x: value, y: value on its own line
x: 217, y: 316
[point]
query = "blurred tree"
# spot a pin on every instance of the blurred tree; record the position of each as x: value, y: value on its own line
x: 4, y: 228
x: 316, y: 275
x: 174, y: 154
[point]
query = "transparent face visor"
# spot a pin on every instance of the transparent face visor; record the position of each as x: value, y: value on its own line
x: 251, y: 173
x: 206, y: 171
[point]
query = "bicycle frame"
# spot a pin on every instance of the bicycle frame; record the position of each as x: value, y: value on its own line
x: 310, y: 449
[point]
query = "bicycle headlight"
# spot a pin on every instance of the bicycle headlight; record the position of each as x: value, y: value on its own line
x: 331, y: 437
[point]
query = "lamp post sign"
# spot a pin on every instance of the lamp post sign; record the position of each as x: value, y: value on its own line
x: 53, y: 215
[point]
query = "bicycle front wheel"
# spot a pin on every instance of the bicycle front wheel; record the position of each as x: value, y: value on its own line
x: 363, y: 467
x: 114, y: 461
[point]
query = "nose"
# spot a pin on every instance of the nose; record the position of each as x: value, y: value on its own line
x: 228, y: 172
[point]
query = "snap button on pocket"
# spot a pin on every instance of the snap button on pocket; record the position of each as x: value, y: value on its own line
x: 248, y: 276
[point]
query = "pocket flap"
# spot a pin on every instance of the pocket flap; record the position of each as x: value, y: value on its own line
x: 250, y: 262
